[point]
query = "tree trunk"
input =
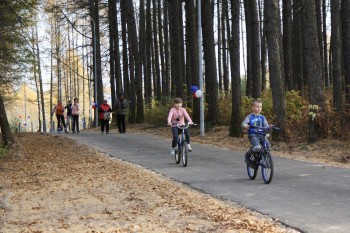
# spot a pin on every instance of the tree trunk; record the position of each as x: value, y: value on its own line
x: 345, y: 23
x: 263, y: 49
x: 298, y: 68
x: 236, y: 112
x: 36, y: 81
x: 192, y: 55
x: 248, y: 24
x: 255, y: 50
x: 287, y: 43
x: 325, y: 45
x: 319, y: 29
x: 148, y: 55
x: 158, y: 93
x: 336, y: 60
x: 112, y: 33
x: 313, y: 66
x: 129, y: 88
x: 175, y: 46
x: 6, y: 133
x: 161, y: 48
x: 210, y: 63
x: 221, y: 30
x: 225, y: 20
x: 134, y: 50
x: 166, y: 48
x: 273, y: 35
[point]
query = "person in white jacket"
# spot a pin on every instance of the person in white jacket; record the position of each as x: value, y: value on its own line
x: 75, y: 115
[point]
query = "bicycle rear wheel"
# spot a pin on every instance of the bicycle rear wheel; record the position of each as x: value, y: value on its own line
x: 267, y: 167
x: 184, y: 154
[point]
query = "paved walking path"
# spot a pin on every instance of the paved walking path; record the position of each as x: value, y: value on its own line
x: 307, y: 196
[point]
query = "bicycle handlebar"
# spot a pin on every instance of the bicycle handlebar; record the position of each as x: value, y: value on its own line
x: 264, y: 130
x: 185, y: 126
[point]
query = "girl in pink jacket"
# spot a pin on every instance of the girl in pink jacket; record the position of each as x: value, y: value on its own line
x: 176, y: 117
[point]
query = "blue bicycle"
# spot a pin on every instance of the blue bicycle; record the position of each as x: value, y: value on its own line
x: 262, y: 158
x: 181, y: 152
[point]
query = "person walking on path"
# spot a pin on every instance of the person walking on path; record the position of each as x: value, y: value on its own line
x: 75, y: 115
x: 59, y: 110
x: 121, y: 106
x: 177, y: 115
x: 69, y: 115
x: 105, y: 116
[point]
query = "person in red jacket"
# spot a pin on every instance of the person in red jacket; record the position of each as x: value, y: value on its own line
x: 59, y: 110
x: 105, y: 116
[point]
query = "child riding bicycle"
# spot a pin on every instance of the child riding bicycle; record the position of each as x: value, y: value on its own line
x: 254, y: 119
x: 176, y: 117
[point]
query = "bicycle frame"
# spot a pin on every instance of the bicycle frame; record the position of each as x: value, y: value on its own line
x: 262, y: 158
x: 181, y: 152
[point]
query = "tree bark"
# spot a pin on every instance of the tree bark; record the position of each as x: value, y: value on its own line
x: 192, y: 56
x: 345, y: 22
x: 6, y: 133
x: 336, y: 57
x: 236, y: 111
x: 175, y: 47
x: 313, y: 66
x: 298, y: 68
x: 134, y: 50
x: 158, y: 92
x: 210, y: 63
x: 273, y: 35
x: 287, y: 43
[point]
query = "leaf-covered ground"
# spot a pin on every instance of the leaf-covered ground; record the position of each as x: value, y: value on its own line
x: 52, y: 184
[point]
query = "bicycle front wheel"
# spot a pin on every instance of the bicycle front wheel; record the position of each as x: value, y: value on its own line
x: 184, y: 154
x: 178, y: 155
x: 267, y: 167
x: 252, y: 170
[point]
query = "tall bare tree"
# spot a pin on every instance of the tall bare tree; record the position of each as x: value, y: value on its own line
x: 273, y: 35
x: 345, y: 24
x: 236, y: 113
x: 114, y: 69
x: 336, y: 56
x: 313, y: 70
x: 175, y: 45
x: 298, y: 68
x: 287, y: 43
x: 134, y: 51
x: 192, y: 72
x: 325, y: 44
x: 158, y: 92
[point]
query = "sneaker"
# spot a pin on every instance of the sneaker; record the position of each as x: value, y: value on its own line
x: 172, y: 152
x: 107, y: 132
x: 101, y: 132
x: 189, y: 147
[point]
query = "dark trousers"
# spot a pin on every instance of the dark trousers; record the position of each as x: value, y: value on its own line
x: 176, y: 131
x: 104, y: 123
x: 121, y: 123
x: 75, y: 125
x: 60, y: 118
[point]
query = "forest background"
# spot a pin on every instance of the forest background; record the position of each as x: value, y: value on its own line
x: 292, y: 54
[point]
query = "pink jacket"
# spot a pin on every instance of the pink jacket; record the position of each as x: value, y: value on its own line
x: 75, y: 109
x: 180, y: 114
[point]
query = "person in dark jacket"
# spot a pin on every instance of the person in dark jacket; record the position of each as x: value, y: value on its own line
x: 121, y: 106
x: 68, y: 107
